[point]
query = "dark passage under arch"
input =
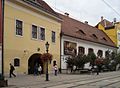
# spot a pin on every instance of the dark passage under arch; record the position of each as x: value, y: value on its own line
x: 34, y: 60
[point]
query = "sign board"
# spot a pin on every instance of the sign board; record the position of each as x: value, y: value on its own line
x: 70, y: 48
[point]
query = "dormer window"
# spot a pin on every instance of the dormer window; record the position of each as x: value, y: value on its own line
x: 104, y: 39
x: 81, y: 32
x: 94, y: 36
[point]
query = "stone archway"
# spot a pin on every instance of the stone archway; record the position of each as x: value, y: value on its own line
x: 34, y: 60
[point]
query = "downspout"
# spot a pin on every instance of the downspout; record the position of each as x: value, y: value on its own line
x: 3, y: 1
x: 60, y: 48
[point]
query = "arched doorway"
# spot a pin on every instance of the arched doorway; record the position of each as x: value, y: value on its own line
x: 34, y: 60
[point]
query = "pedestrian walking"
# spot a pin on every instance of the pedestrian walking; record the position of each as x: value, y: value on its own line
x: 97, y: 70
x: 11, y: 70
x: 98, y: 63
x: 39, y: 69
x: 35, y: 69
x: 55, y: 70
x: 74, y: 68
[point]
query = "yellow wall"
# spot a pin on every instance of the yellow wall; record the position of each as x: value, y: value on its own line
x: 117, y: 25
x: 112, y: 33
x: 14, y: 46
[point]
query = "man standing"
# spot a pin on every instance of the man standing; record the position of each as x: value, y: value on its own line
x: 11, y: 70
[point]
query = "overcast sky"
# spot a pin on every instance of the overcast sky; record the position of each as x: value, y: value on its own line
x: 87, y: 10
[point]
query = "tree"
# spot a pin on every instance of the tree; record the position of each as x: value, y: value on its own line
x: 113, y: 55
x: 117, y: 58
x: 91, y: 57
x: 70, y: 61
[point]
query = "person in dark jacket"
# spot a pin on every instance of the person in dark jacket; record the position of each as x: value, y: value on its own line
x: 11, y: 70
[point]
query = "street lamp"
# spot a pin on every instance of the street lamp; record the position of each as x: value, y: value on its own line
x: 47, y: 75
x: 47, y: 46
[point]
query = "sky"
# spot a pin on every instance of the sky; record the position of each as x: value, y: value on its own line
x: 87, y: 10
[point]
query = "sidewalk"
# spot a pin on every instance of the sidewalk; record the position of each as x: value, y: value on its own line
x: 31, y: 81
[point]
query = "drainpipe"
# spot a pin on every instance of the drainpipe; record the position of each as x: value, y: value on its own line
x: 3, y: 38
x: 60, y: 49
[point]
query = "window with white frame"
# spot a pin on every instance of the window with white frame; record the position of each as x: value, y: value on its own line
x: 118, y: 36
x: 16, y: 62
x: 34, y: 31
x: 100, y: 53
x: 90, y: 50
x: 53, y: 36
x: 42, y: 33
x: 19, y: 28
x: 81, y: 50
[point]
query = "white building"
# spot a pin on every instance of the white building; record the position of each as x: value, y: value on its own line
x: 78, y: 37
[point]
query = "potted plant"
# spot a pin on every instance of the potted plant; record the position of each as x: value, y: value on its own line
x: 46, y: 57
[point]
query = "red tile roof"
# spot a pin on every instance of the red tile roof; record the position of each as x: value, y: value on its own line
x: 40, y: 4
x: 70, y: 27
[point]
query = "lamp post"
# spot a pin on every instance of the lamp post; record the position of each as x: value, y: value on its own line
x: 47, y: 75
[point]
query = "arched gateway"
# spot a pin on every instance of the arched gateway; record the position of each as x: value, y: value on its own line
x: 34, y: 60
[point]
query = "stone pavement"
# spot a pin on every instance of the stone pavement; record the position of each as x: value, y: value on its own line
x: 62, y: 80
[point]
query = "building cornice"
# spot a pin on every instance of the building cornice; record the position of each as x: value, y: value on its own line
x: 88, y: 40
x: 35, y: 9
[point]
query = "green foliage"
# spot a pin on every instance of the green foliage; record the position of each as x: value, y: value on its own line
x: 113, y: 55
x: 70, y: 61
x: 106, y: 62
x: 77, y: 61
x: 91, y: 57
x: 110, y: 62
x: 80, y: 61
x: 117, y: 58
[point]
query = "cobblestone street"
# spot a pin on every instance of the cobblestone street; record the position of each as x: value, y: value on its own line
x: 64, y: 80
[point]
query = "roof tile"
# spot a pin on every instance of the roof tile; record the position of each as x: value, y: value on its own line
x: 70, y: 26
x: 40, y: 4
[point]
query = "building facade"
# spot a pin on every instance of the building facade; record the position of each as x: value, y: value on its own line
x: 112, y: 29
x: 117, y: 28
x: 28, y: 25
x: 78, y: 37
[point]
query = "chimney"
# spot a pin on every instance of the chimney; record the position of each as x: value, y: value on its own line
x: 67, y: 14
x: 101, y: 18
x: 105, y: 23
x: 86, y: 22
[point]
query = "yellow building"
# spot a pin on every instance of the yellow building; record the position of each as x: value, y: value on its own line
x: 28, y: 25
x: 112, y: 29
x: 109, y: 28
x: 117, y: 27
